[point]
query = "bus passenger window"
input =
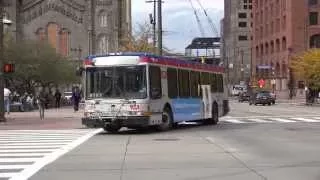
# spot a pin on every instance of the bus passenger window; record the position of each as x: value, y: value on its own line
x: 184, y: 89
x: 214, y: 85
x: 194, y: 82
x: 155, y: 82
x: 172, y: 83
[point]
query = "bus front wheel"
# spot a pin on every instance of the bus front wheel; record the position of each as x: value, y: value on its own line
x: 112, y: 128
x: 167, y: 120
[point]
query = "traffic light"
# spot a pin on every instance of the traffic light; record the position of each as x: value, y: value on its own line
x: 8, y: 68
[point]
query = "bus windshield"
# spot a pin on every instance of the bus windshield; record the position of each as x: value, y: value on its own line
x: 116, y: 82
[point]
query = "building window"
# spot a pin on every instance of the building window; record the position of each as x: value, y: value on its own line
x: 315, y: 41
x: 52, y: 31
x: 278, y: 45
x: 103, y: 19
x: 103, y: 44
x: 242, y: 24
x: 242, y: 15
x: 243, y: 38
x: 313, y: 2
x: 284, y: 44
x: 250, y: 6
x: 64, y: 42
x: 245, y: 6
x: 41, y: 34
x: 313, y: 18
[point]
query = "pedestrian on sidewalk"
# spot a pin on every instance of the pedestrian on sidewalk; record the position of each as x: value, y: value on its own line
x: 7, y: 93
x: 58, y: 95
x: 41, y: 101
x: 76, y: 97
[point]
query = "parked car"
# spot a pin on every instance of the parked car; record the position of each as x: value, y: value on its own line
x: 263, y: 97
x: 244, y: 97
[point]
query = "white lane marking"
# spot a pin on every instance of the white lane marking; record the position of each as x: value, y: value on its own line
x: 23, y: 154
x: 7, y: 175
x: 25, y: 150
x: 14, y: 160
x: 28, y: 172
x: 305, y: 120
x: 7, y: 166
x: 234, y: 121
x: 36, y: 138
x: 281, y: 120
x: 259, y: 120
x: 316, y: 118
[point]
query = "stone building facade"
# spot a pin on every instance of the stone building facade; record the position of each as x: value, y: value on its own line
x: 69, y: 26
x: 236, y: 39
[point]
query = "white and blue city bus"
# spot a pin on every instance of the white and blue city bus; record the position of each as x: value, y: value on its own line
x: 138, y: 90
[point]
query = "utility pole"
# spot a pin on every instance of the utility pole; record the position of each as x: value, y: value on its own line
x: 153, y: 21
x: 160, y: 27
x: 93, y: 27
x: 2, y: 116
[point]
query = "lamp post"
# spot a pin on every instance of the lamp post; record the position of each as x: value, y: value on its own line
x: 3, y: 22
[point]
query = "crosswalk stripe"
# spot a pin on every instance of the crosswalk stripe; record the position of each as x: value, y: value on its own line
x: 7, y: 166
x: 2, y: 141
x: 22, y: 154
x: 259, y: 120
x: 234, y: 121
x: 25, y: 150
x: 15, y: 160
x: 34, y: 144
x: 6, y: 175
x: 280, y: 120
x: 305, y: 120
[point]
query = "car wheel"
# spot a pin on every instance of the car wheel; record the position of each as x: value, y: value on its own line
x: 269, y: 104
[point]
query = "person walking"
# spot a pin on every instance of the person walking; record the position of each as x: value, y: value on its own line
x: 41, y: 100
x: 7, y: 93
x: 58, y: 95
x: 76, y: 97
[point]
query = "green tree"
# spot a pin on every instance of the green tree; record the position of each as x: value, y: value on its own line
x: 37, y: 64
x: 307, y: 67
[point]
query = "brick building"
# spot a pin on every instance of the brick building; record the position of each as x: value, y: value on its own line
x: 68, y: 24
x: 282, y: 29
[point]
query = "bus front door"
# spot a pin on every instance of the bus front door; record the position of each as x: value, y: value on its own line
x: 206, y: 101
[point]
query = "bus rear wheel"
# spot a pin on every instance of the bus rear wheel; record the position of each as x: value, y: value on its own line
x: 167, y: 120
x: 215, y: 116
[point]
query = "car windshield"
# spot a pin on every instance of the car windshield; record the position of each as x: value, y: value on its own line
x: 263, y: 94
x: 116, y: 82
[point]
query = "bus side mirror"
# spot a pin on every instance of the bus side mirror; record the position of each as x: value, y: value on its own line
x: 79, y: 71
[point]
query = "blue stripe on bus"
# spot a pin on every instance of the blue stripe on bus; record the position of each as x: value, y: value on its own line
x: 186, y: 109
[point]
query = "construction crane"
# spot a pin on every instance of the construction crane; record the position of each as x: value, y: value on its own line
x: 198, y: 19
x: 213, y: 27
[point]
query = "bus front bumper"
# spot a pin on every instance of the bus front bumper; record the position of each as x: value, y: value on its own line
x: 123, y: 121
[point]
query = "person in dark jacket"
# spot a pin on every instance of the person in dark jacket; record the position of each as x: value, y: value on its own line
x: 57, y: 96
x: 76, y: 97
x: 41, y: 100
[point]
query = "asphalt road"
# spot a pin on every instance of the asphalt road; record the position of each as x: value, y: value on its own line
x: 261, y: 149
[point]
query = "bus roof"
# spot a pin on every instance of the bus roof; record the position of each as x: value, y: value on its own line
x: 136, y: 58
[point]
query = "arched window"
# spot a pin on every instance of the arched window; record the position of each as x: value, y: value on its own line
x: 103, y: 44
x: 64, y: 45
x: 278, y: 45
x: 103, y: 18
x: 52, y: 31
x: 284, y: 44
x: 272, y: 47
x: 315, y: 41
x: 267, y: 48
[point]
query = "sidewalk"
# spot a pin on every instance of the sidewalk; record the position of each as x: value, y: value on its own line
x: 64, y: 118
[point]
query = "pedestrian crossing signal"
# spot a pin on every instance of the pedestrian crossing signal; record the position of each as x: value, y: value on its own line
x: 8, y: 68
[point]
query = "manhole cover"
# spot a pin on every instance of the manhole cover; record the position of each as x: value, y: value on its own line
x: 167, y: 139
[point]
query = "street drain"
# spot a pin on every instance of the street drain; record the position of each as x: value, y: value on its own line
x: 167, y: 139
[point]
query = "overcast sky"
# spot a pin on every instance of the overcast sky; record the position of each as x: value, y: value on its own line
x: 179, y: 21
